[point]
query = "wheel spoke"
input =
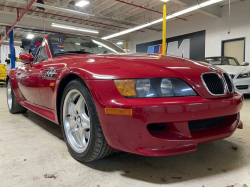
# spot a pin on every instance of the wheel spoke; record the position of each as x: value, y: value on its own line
x: 72, y: 109
x: 85, y: 118
x: 79, y: 136
x: 85, y: 126
x: 87, y: 134
x: 78, y: 106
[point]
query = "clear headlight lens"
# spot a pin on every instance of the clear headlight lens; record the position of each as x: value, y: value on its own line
x: 143, y: 88
x: 243, y: 75
x: 166, y: 87
x: 154, y: 87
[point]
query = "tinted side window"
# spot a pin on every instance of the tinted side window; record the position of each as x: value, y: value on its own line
x: 42, y: 54
x: 37, y: 55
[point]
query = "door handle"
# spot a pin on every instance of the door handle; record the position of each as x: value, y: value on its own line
x: 19, y: 72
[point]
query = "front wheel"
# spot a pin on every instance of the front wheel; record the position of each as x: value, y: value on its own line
x: 80, y: 124
x: 13, y: 105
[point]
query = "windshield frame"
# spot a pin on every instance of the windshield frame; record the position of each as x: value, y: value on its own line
x: 236, y: 61
x: 69, y: 35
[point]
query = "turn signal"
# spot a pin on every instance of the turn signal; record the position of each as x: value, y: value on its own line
x: 126, y: 87
x: 114, y: 111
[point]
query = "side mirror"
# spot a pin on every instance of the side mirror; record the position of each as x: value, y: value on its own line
x: 26, y: 58
x: 245, y: 64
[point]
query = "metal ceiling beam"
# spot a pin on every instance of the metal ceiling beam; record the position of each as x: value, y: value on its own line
x: 18, y: 19
x: 70, y: 11
x: 149, y: 9
x: 212, y: 10
x: 51, y: 14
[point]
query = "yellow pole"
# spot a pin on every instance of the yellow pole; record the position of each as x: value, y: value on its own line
x: 126, y: 45
x: 164, y: 28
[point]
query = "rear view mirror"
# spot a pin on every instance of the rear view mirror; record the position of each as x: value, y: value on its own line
x: 26, y: 58
x: 245, y: 64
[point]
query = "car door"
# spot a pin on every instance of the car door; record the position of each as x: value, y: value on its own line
x: 28, y: 76
x: 48, y: 77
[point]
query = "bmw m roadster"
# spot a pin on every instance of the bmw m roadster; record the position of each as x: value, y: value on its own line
x: 106, y: 99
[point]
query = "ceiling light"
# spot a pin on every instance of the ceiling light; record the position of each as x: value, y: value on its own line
x: 70, y: 11
x: 161, y: 19
x: 74, y: 28
x: 107, y: 47
x: 119, y: 43
x: 18, y: 42
x: 82, y: 3
x: 164, y: 0
x: 30, y: 36
x: 77, y: 43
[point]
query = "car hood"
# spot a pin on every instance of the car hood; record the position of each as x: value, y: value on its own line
x: 140, y: 65
x: 233, y: 69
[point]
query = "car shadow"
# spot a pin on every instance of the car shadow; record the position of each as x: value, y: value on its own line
x: 47, y: 125
x: 210, y: 159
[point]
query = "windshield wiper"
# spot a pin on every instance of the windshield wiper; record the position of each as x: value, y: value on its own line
x: 71, y: 53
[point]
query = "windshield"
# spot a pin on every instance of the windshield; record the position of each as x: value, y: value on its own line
x: 70, y: 44
x: 221, y: 61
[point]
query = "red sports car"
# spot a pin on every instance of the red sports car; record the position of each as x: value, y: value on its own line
x: 106, y: 99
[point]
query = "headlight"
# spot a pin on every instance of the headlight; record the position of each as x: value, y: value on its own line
x: 244, y: 75
x: 155, y: 87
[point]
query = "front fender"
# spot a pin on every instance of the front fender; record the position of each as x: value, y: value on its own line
x: 12, y: 77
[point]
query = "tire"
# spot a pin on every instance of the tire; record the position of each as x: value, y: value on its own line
x: 13, y: 105
x: 80, y: 124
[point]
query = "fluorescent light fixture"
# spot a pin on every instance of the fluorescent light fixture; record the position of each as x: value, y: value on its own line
x: 119, y: 43
x: 82, y: 3
x: 30, y: 36
x: 164, y: 0
x: 210, y: 2
x: 74, y: 28
x: 18, y: 42
x: 101, y: 44
x: 77, y: 43
x: 70, y: 11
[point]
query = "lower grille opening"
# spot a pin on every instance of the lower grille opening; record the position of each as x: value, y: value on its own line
x: 205, y: 123
x: 156, y: 127
x: 243, y: 87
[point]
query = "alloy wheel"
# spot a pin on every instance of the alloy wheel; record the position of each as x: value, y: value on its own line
x: 9, y: 95
x: 76, y: 121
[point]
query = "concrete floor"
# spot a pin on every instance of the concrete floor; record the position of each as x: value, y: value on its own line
x: 31, y: 146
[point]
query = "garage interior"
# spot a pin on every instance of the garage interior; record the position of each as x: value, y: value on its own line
x: 32, y: 148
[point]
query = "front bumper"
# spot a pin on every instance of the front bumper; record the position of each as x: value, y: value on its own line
x: 243, y: 85
x: 131, y: 134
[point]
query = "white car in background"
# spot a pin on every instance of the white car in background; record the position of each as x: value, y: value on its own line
x: 240, y: 74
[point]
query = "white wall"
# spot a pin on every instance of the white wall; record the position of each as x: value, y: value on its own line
x: 216, y: 29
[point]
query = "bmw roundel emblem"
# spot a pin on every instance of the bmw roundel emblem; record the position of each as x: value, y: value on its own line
x: 213, y: 69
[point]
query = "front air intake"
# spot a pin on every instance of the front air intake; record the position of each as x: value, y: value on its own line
x: 214, y: 83
x: 205, y: 123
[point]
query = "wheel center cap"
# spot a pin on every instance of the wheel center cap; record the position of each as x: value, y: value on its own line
x: 78, y: 119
